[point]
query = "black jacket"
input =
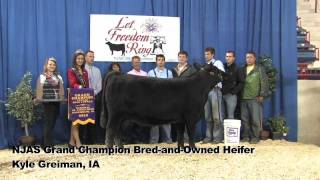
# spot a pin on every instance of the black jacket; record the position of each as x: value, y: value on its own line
x: 188, y: 71
x: 233, y: 80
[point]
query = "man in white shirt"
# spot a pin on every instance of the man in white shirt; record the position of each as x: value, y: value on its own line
x: 135, y: 133
x: 92, y: 133
x: 136, y: 65
x: 160, y: 72
x: 213, y: 107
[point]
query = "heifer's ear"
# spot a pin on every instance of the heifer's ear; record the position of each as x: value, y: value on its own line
x: 207, y: 67
x: 213, y: 67
x: 213, y: 70
x: 218, y: 72
x: 197, y: 66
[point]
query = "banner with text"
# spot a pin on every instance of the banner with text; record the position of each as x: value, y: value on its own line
x: 81, y: 106
x: 119, y: 37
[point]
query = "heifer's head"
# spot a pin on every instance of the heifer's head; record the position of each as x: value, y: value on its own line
x: 215, y: 75
x: 107, y: 41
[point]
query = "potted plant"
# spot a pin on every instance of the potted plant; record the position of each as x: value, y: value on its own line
x: 278, y: 127
x: 265, y: 133
x: 20, y: 106
x: 285, y: 131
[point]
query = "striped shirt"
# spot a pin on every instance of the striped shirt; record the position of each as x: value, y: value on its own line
x: 95, y: 80
x: 164, y: 73
x: 137, y: 73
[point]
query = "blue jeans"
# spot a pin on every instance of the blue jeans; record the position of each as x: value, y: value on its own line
x: 251, y: 116
x: 230, y: 103
x: 155, y: 133
x: 213, y: 115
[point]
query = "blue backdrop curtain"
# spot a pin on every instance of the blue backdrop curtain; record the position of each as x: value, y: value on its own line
x: 36, y: 29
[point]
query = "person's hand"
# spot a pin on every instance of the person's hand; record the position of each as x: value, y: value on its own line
x: 63, y: 100
x: 260, y: 99
x: 36, y: 101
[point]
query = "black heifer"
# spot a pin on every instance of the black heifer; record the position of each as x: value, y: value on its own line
x: 153, y: 101
x: 116, y: 47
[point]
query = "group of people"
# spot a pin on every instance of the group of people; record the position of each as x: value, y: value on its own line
x: 82, y: 74
x: 244, y: 87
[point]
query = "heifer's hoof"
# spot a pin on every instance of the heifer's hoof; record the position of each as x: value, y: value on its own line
x: 206, y: 141
x: 169, y: 142
x: 216, y: 141
x: 181, y: 145
x: 192, y: 145
x: 110, y: 145
x: 120, y: 145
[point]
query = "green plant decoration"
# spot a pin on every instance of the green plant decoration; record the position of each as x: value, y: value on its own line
x: 20, y: 103
x: 271, y: 72
x: 278, y: 124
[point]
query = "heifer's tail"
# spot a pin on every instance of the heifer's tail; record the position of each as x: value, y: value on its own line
x: 104, y: 109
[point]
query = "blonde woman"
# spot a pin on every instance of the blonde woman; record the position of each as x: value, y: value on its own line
x: 50, y: 91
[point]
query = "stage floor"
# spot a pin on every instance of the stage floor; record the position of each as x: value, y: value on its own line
x: 270, y: 159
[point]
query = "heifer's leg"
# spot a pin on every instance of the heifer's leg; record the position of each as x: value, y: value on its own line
x: 217, y: 116
x: 109, y: 137
x: 118, y: 139
x: 180, y: 132
x: 208, y: 119
x: 154, y: 135
x: 166, y: 133
x: 113, y: 128
x: 118, y: 134
x: 191, y: 129
x: 113, y: 137
x: 186, y: 136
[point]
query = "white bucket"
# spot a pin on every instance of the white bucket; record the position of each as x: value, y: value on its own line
x: 231, y: 131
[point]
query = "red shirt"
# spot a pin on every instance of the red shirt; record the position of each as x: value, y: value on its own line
x: 73, y: 80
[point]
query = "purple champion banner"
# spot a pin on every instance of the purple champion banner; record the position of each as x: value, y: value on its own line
x: 81, y: 106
